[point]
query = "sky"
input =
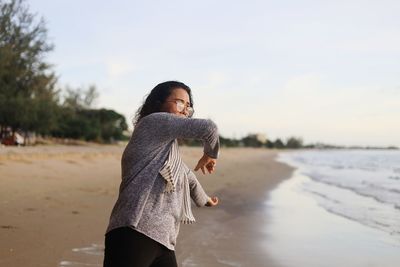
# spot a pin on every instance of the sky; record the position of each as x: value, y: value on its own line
x: 325, y: 71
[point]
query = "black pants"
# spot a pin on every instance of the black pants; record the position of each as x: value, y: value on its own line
x: 125, y: 247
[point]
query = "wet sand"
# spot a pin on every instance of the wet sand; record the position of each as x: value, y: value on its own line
x: 56, y: 198
x: 232, y: 233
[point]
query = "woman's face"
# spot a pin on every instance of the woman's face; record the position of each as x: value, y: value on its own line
x: 177, y: 95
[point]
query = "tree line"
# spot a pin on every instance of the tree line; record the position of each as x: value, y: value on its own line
x: 252, y: 140
x: 30, y: 99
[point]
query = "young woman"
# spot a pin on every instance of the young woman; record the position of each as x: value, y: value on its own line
x: 157, y: 187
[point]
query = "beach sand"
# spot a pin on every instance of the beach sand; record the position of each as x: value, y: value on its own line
x: 56, y: 198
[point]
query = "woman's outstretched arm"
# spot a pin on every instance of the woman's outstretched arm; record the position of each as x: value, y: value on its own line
x: 167, y: 127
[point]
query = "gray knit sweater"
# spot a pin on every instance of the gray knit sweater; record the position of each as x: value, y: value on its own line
x: 142, y: 202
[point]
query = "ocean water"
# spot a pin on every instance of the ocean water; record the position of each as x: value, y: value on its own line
x: 361, y: 185
x: 340, y: 208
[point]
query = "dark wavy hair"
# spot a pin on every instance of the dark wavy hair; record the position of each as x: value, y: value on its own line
x: 157, y: 97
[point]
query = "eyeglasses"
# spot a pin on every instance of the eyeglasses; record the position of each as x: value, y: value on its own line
x: 180, y: 106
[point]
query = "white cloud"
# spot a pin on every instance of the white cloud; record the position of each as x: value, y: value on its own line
x: 117, y: 68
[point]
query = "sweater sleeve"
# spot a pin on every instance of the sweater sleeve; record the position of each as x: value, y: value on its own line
x: 197, y: 192
x: 167, y: 127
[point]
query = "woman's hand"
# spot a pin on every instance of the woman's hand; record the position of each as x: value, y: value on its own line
x: 212, y: 201
x: 206, y: 162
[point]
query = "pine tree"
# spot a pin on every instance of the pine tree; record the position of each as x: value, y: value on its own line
x: 28, y: 99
